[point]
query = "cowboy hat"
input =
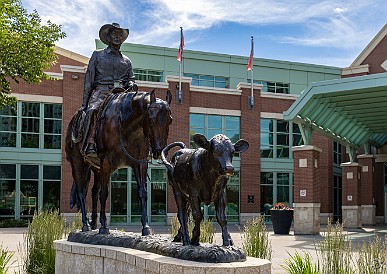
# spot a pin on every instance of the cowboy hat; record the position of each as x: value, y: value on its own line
x: 106, y: 29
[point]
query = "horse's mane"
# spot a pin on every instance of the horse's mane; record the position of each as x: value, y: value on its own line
x: 126, y: 103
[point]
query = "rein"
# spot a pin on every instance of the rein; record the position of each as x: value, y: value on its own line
x: 138, y: 161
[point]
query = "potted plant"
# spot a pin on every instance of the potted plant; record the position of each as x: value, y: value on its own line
x: 281, y: 217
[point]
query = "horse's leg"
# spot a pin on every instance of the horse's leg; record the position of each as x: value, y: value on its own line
x: 198, y: 217
x: 95, y: 192
x: 105, y: 172
x: 81, y: 176
x: 140, y: 172
x: 220, y: 207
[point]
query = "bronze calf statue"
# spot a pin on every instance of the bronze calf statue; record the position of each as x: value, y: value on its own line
x: 200, y: 175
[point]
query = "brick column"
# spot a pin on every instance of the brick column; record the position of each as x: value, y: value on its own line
x: 306, y: 193
x: 250, y: 161
x: 368, y: 208
x: 351, y: 195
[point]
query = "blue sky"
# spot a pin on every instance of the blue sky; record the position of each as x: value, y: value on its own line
x: 331, y: 32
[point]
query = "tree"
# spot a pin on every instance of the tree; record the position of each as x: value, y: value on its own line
x: 26, y: 47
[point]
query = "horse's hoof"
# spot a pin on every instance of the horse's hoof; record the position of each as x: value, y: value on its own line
x: 227, y: 242
x: 85, y: 228
x: 146, y: 231
x: 177, y: 238
x: 195, y: 243
x: 104, y: 230
x: 93, y: 226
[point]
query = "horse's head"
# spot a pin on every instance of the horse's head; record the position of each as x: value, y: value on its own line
x: 159, y: 118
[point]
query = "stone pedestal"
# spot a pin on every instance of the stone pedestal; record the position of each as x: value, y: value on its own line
x: 368, y: 214
x: 86, y: 258
x: 351, y: 196
x: 306, y: 218
x: 306, y: 192
x: 368, y: 208
x: 352, y: 216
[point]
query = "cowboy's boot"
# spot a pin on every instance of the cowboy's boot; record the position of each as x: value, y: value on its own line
x: 89, y: 148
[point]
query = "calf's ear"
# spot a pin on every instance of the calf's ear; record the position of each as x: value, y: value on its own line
x: 201, y: 141
x: 241, y: 146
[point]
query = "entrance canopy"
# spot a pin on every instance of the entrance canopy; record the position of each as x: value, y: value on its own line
x: 352, y: 111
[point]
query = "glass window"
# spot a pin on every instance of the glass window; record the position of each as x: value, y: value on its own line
x: 37, y: 120
x: 267, y: 141
x: 266, y: 193
x: 273, y: 87
x: 282, y: 139
x: 297, y: 137
x: 276, y: 187
x: 276, y: 137
x: 51, y: 187
x: 8, y: 122
x: 148, y: 75
x: 30, y: 125
x: 52, y: 126
x: 29, y: 182
x: 208, y: 80
x: 337, y: 153
x: 7, y: 190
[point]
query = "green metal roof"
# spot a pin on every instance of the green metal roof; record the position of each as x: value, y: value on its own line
x: 352, y: 110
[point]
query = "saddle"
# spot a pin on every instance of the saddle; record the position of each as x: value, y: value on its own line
x: 78, y: 126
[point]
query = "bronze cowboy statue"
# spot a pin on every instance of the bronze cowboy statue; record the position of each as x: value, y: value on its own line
x: 123, y: 127
x: 107, y: 69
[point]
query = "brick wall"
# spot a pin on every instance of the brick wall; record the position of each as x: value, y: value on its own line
x: 306, y: 176
x: 377, y: 57
x: 250, y: 159
x: 352, y: 185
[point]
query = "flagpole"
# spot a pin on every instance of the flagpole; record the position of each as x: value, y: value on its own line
x: 179, y: 92
x: 180, y: 73
x: 250, y: 66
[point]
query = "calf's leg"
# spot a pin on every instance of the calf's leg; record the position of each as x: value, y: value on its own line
x: 198, y: 217
x: 220, y: 207
x: 182, y: 215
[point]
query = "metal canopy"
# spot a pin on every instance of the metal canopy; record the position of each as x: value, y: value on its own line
x: 352, y: 111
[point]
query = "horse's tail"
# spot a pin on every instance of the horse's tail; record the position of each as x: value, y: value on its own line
x: 74, y: 197
x: 164, y: 153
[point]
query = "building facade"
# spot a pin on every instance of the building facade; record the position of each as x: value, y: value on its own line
x: 215, y: 88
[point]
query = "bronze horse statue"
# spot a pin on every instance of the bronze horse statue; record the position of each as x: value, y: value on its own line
x: 130, y: 126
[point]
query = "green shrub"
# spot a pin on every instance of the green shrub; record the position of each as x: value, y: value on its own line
x: 38, y: 248
x: 335, y: 251
x: 373, y: 256
x: 207, y: 230
x: 297, y: 264
x: 13, y: 223
x: 5, y: 259
x: 256, y: 239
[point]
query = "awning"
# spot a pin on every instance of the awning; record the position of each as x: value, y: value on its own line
x: 352, y: 111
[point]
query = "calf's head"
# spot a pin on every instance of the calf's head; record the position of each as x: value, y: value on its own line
x: 221, y: 150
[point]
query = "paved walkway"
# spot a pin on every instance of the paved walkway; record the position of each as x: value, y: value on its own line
x: 281, y: 244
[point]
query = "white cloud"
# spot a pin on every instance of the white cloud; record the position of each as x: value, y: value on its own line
x: 349, y: 25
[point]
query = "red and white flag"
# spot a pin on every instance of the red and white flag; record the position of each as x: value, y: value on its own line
x: 181, y: 48
x: 250, y: 62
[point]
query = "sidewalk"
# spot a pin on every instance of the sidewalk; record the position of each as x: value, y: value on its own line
x: 281, y: 244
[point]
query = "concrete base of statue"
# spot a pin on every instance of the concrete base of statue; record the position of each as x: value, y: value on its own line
x: 73, y: 257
